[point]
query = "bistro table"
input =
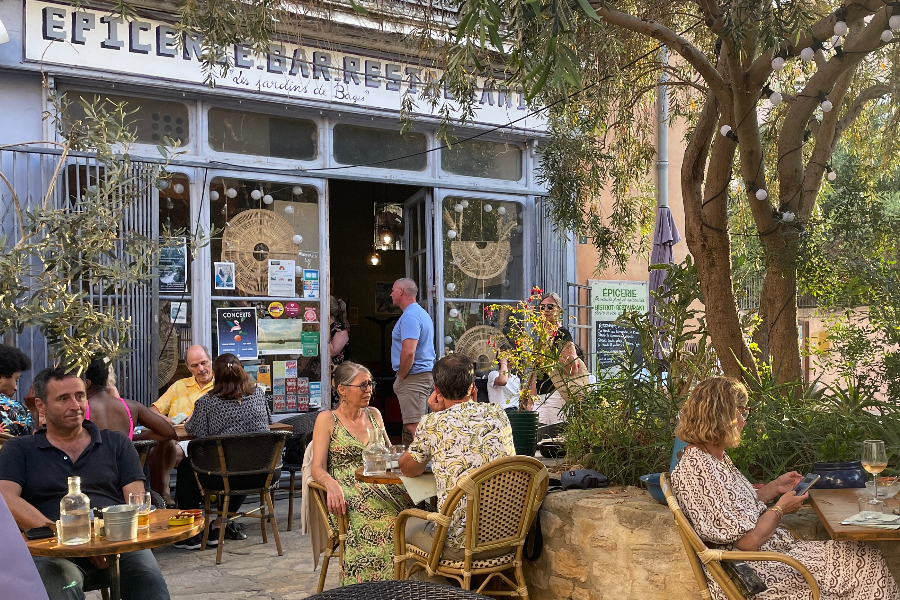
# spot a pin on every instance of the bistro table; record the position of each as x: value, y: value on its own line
x: 393, y: 478
x: 159, y: 534
x: 833, y: 506
x: 184, y: 436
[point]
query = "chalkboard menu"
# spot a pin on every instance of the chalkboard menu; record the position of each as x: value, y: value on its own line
x: 611, y: 343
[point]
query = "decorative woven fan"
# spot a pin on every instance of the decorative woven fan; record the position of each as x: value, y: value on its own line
x: 168, y: 348
x: 481, y: 263
x: 250, y: 240
x: 474, y: 343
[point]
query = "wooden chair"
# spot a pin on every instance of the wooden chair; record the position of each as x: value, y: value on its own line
x: 697, y: 553
x: 503, y: 498
x: 335, y: 538
x: 239, y: 465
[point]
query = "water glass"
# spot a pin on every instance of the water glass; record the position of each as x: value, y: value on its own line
x: 143, y: 502
x: 870, y: 509
x: 397, y: 451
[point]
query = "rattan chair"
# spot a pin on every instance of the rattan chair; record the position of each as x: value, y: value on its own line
x: 143, y: 448
x: 397, y: 590
x: 335, y: 538
x: 697, y: 553
x: 503, y: 498
x: 239, y: 465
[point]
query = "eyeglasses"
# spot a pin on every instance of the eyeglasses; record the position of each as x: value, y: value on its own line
x: 548, y: 307
x: 365, y: 386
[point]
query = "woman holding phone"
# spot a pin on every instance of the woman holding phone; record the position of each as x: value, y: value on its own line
x: 728, y: 513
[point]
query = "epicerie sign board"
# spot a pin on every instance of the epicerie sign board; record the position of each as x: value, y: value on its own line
x: 94, y: 39
x: 609, y: 299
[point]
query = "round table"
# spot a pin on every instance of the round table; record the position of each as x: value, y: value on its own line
x: 159, y: 534
x: 398, y: 590
x: 387, y: 478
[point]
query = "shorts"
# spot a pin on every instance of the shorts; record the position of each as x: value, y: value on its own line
x: 412, y: 394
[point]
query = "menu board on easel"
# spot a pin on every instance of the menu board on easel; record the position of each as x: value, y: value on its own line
x: 609, y: 299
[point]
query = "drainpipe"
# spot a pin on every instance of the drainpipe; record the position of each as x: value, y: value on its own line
x: 662, y: 135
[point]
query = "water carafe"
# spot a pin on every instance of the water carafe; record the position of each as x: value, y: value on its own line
x: 74, y: 516
x: 376, y: 452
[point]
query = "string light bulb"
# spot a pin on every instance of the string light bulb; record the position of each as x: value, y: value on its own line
x: 231, y: 193
x: 759, y: 192
x: 178, y: 188
x: 213, y: 195
x: 726, y: 131
x: 256, y: 194
x: 268, y: 199
x: 297, y: 239
x: 787, y: 216
x: 829, y: 173
x: 778, y: 63
x: 773, y: 96
x: 807, y: 54
x: 825, y: 102
x: 887, y: 35
x: 373, y: 259
x: 894, y: 21
x: 840, y: 28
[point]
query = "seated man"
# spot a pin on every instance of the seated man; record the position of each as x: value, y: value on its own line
x: 459, y: 436
x: 15, y: 418
x: 34, y: 472
x: 178, y: 399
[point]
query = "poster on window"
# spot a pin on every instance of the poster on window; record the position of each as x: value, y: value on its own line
x: 224, y: 275
x: 173, y: 265
x: 236, y: 329
x: 281, y: 278
x: 281, y: 336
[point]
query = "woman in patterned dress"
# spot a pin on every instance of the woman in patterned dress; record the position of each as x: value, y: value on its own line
x: 726, y: 511
x: 338, y: 441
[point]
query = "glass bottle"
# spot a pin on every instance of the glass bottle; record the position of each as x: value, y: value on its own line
x: 74, y: 515
x: 376, y: 454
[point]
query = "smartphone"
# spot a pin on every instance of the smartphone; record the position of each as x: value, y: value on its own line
x: 179, y: 418
x: 39, y: 533
x: 808, y: 481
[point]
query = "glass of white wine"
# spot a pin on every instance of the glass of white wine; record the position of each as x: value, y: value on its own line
x: 874, y: 460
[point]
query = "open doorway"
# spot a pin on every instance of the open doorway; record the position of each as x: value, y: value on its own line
x: 367, y: 217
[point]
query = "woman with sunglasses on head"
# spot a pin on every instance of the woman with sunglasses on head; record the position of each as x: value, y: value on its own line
x: 728, y: 513
x: 339, y: 437
x: 551, y: 400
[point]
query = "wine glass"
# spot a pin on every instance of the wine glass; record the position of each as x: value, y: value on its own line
x: 874, y: 460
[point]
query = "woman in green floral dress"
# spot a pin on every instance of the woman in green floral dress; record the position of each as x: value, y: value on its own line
x: 338, y: 441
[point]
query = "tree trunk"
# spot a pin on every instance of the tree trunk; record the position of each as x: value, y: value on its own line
x: 761, y: 334
x: 781, y: 306
x: 706, y: 222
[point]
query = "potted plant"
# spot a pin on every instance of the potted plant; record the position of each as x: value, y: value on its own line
x: 530, y: 348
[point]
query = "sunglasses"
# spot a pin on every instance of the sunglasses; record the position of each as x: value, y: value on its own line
x: 548, y: 307
x: 364, y: 386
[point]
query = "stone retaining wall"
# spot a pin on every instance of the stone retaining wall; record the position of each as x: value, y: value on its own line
x: 620, y: 543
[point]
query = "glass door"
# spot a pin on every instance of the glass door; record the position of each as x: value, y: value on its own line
x: 418, y: 211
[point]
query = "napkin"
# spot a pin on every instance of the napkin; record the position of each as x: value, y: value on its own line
x: 884, y: 521
x: 424, y: 487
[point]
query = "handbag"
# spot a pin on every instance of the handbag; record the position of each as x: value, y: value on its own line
x: 742, y: 574
x: 582, y: 479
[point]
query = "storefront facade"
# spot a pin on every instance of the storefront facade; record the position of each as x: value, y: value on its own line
x: 294, y: 172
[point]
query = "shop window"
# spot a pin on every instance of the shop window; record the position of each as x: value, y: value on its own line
x: 482, y: 255
x: 286, y: 361
x: 468, y: 329
x: 380, y: 148
x: 261, y: 135
x: 477, y: 158
x: 152, y: 120
x: 264, y: 229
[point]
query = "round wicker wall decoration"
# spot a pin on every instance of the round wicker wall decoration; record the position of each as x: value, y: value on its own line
x: 478, y: 262
x: 475, y: 343
x: 250, y: 240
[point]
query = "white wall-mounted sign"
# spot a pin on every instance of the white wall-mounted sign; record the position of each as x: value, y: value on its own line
x: 95, y: 39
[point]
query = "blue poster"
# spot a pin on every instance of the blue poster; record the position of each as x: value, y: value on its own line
x: 237, y: 332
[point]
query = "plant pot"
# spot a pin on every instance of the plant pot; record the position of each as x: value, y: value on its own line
x: 524, y: 431
x: 840, y: 475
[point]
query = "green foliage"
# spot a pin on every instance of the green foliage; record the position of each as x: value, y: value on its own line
x: 64, y: 253
x: 623, y: 426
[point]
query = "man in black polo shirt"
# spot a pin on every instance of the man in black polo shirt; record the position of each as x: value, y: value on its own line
x: 34, y: 472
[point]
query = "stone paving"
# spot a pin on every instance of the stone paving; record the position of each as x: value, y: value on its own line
x: 249, y: 568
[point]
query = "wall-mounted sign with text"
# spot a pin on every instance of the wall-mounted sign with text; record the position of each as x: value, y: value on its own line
x: 95, y: 39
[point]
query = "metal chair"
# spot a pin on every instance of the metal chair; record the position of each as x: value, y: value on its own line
x: 303, y: 425
x: 335, y: 538
x: 239, y: 465
x: 503, y: 498
x: 697, y: 553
